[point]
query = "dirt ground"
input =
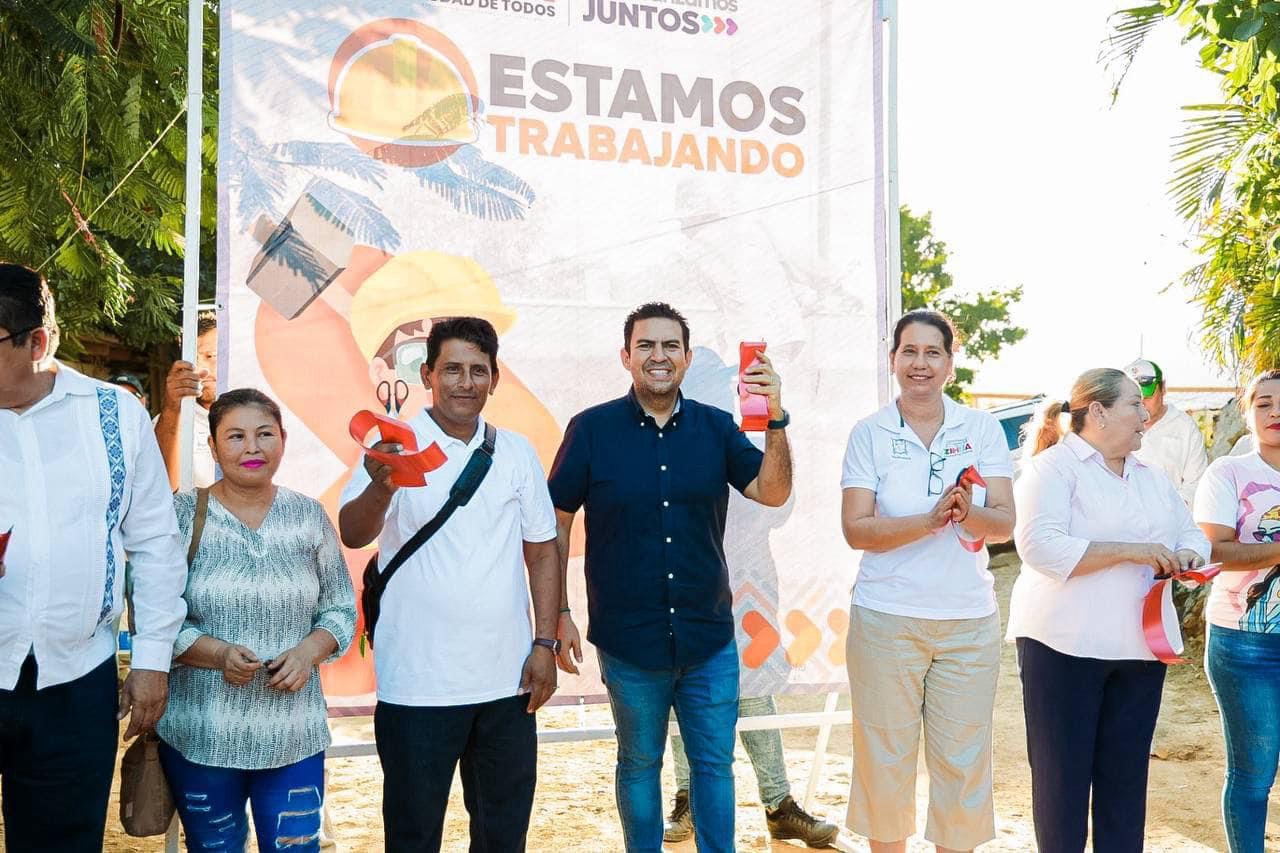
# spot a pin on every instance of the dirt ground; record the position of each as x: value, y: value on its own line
x: 574, y: 811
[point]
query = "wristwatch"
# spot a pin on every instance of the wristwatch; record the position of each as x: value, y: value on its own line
x: 780, y: 424
x: 554, y: 645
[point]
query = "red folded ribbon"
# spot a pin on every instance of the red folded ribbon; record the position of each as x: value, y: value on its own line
x: 410, y: 466
x: 4, y: 542
x: 1160, y: 623
x: 754, y: 407
x: 969, y: 477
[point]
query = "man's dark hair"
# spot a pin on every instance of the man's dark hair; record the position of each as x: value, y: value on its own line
x: 238, y: 398
x: 206, y: 321
x: 473, y: 330
x: 651, y: 311
x: 25, y: 303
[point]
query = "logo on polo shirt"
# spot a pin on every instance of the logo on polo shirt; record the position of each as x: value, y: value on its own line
x: 900, y: 448
x: 955, y: 448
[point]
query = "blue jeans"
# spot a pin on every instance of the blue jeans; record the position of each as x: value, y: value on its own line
x: 764, y: 748
x: 705, y: 698
x: 286, y: 803
x: 1244, y: 673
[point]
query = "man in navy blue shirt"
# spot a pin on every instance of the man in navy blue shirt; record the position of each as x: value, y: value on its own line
x: 653, y: 471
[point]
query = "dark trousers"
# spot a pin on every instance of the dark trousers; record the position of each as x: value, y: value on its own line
x: 57, y: 756
x: 497, y: 743
x: 1089, y: 726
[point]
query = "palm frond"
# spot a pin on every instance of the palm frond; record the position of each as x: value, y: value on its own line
x: 1207, y: 152
x: 1127, y: 31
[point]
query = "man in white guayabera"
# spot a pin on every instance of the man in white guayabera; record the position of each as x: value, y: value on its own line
x: 83, y: 485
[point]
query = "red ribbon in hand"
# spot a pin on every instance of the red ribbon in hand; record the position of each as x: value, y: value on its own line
x: 410, y: 466
x: 754, y: 407
x: 1160, y: 618
x: 969, y: 477
x: 4, y: 542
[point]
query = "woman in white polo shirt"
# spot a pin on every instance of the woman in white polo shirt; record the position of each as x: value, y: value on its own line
x: 924, y: 631
x: 1095, y: 528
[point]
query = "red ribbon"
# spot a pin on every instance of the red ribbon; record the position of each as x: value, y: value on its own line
x: 754, y: 407
x: 409, y: 467
x: 1160, y: 618
x: 4, y: 542
x: 969, y: 477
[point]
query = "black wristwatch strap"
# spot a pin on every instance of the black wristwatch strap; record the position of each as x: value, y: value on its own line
x: 780, y: 424
x: 554, y: 645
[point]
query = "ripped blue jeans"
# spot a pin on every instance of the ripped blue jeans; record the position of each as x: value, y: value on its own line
x: 286, y: 803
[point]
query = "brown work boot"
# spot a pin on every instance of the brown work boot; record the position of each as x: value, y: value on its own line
x: 788, y: 820
x: 679, y: 825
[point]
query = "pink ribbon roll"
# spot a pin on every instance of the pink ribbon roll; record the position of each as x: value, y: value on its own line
x: 1160, y: 623
x: 410, y: 466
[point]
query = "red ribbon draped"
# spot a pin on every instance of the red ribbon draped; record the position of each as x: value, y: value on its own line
x: 410, y: 466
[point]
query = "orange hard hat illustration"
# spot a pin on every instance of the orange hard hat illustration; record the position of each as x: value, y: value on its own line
x: 420, y: 286
x: 403, y: 93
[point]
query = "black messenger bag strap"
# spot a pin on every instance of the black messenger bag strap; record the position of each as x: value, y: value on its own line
x: 459, y: 494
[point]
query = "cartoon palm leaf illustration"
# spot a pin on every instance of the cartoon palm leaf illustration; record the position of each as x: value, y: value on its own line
x: 471, y: 196
x: 471, y: 162
x: 354, y: 212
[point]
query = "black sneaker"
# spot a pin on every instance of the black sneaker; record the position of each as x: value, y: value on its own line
x: 679, y: 825
x: 788, y: 820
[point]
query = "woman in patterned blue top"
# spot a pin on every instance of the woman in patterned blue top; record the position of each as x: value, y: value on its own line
x: 268, y: 600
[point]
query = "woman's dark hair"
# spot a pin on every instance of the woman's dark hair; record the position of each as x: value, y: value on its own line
x: 473, y: 330
x: 25, y: 303
x: 238, y: 398
x: 937, y: 319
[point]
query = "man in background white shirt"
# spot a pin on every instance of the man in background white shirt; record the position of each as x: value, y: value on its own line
x: 83, y: 485
x: 1172, y: 443
x: 199, y: 380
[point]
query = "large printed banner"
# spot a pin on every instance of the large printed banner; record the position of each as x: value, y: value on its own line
x: 550, y: 165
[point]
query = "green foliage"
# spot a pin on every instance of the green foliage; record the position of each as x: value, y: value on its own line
x: 1226, y: 179
x: 982, y: 320
x: 92, y: 153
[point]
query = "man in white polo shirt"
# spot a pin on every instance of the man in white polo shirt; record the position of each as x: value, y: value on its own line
x: 81, y: 486
x: 1172, y: 442
x: 459, y: 671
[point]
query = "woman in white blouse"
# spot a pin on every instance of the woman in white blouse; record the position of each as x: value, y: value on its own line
x: 1095, y: 529
x: 924, y: 631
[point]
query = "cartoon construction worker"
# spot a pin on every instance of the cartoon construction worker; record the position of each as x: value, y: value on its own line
x: 362, y: 351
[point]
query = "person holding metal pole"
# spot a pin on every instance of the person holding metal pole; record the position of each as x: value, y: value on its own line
x: 925, y: 482
x: 198, y: 380
x: 652, y: 470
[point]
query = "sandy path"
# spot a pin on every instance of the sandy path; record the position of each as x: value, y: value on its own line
x: 574, y: 811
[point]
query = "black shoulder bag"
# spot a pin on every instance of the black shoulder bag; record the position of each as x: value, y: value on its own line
x: 375, y: 582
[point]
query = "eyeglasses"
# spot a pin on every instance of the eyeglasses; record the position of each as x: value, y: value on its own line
x: 13, y: 335
x: 936, y: 482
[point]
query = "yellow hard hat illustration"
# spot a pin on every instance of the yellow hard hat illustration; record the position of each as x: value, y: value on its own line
x: 420, y: 286
x: 400, y: 90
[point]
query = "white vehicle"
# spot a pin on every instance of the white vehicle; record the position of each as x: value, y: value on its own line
x: 1014, y: 418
